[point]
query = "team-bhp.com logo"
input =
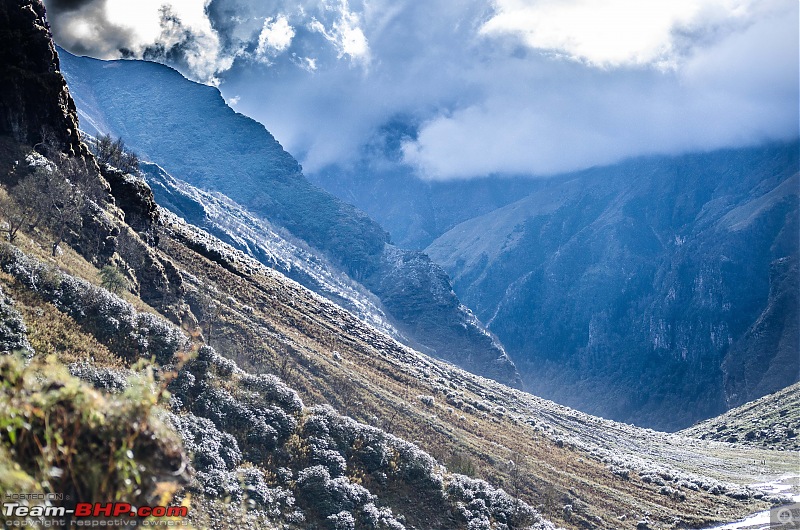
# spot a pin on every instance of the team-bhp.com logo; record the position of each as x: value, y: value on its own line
x: 94, y: 514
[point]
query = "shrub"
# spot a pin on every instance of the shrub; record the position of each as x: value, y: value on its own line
x: 74, y: 440
x: 105, y: 379
x: 13, y: 333
x: 113, y: 279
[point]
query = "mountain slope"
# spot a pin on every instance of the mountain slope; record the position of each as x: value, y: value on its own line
x: 234, y: 225
x: 164, y: 117
x: 660, y: 291
x: 771, y: 421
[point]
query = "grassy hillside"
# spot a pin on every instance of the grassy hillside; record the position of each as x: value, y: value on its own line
x: 772, y: 421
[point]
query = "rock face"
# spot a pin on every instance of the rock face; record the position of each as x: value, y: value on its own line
x: 405, y: 282
x: 36, y: 110
x: 659, y: 291
x: 164, y: 117
x: 136, y: 200
x: 35, y: 105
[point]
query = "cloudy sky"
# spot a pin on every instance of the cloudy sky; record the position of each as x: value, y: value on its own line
x: 482, y: 87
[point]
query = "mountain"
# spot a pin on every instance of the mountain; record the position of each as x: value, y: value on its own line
x: 412, y: 210
x: 771, y: 421
x: 234, y: 225
x: 659, y: 291
x: 164, y: 118
x: 146, y: 362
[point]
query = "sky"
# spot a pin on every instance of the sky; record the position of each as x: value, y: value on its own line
x: 481, y: 87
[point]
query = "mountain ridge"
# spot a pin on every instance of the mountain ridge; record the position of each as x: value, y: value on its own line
x: 240, y: 159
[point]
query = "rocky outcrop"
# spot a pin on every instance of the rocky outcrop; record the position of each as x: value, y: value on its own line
x: 35, y: 105
x: 418, y: 294
x: 136, y: 200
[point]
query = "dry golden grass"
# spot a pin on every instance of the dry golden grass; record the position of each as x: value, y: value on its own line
x: 51, y: 332
x: 290, y: 333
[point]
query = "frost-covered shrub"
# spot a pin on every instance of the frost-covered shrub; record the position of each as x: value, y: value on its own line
x: 272, y: 389
x: 374, y: 518
x: 331, y: 459
x: 210, y: 448
x: 220, y: 484
x: 341, y: 521
x: 274, y: 501
x: 113, y: 321
x: 652, y: 478
x: 13, y: 333
x: 371, y: 448
x: 161, y: 338
x: 417, y: 466
x: 479, y: 504
x: 621, y: 472
x: 428, y: 401
x: 328, y: 496
x: 259, y: 429
x: 105, y: 379
x: 283, y: 423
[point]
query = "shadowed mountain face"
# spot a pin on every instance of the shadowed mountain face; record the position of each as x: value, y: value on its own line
x: 188, y: 130
x: 658, y: 291
x: 35, y: 106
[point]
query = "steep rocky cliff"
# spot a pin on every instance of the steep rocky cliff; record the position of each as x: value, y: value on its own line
x: 35, y: 105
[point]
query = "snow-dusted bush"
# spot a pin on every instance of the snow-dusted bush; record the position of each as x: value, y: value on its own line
x: 272, y: 389
x: 341, y: 521
x: 259, y: 429
x: 479, y: 504
x: 428, y: 401
x: 113, y: 321
x: 211, y: 448
x: 105, y: 379
x: 328, y: 496
x: 374, y: 518
x: 13, y: 333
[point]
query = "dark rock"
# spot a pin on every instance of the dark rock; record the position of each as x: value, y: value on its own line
x: 35, y: 105
x: 135, y: 198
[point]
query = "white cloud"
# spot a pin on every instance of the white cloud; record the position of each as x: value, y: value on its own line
x: 153, y: 29
x: 742, y: 89
x: 485, y: 86
x: 276, y: 36
x: 612, y: 32
x: 345, y: 32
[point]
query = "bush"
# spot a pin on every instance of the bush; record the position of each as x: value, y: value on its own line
x: 13, y: 333
x: 76, y: 441
x: 113, y: 279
